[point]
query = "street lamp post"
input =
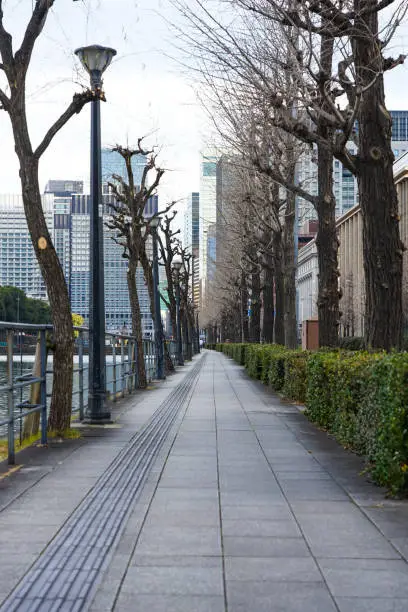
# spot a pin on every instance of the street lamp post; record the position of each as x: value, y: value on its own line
x: 158, y: 329
x: 197, y: 329
x: 177, y: 263
x: 95, y: 60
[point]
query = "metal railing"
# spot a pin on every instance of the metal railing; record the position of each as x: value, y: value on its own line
x: 24, y: 383
x: 17, y: 376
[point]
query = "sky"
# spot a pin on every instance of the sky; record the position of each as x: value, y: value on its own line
x: 148, y: 92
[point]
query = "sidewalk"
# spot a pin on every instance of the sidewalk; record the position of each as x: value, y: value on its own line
x: 246, y: 507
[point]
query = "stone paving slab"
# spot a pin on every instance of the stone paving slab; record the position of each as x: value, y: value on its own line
x: 248, y: 508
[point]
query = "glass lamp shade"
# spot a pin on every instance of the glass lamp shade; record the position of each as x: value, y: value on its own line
x: 155, y: 222
x: 177, y: 263
x: 95, y: 58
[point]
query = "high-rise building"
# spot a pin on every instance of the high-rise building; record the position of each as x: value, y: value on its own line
x: 18, y: 262
x: 208, y: 212
x: 114, y: 164
x: 62, y: 192
x: 64, y: 187
x: 191, y: 238
x: 345, y: 183
x: 117, y: 306
x: 211, y: 251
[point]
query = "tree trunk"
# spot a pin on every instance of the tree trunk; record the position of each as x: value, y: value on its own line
x: 289, y: 272
x: 382, y: 246
x: 268, y: 302
x: 137, y: 330
x: 63, y: 334
x: 327, y: 247
x: 326, y: 240
x: 244, y: 310
x: 184, y: 335
x: 279, y: 331
x: 190, y: 339
x: 147, y: 271
x: 255, y: 320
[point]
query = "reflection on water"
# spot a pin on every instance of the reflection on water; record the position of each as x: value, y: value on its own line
x: 24, y: 365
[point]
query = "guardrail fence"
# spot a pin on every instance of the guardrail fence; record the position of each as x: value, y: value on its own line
x: 26, y: 374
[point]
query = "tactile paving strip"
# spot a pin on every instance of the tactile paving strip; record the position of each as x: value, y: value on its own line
x: 64, y: 576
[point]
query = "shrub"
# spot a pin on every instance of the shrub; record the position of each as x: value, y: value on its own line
x: 384, y: 420
x: 276, y: 373
x: 352, y: 343
x: 253, y: 360
x: 295, y: 376
x: 320, y: 371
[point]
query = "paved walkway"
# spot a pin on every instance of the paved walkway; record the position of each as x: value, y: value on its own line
x: 240, y: 504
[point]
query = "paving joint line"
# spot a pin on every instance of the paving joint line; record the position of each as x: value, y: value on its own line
x: 79, y: 543
x: 282, y: 492
x: 224, y: 576
x: 155, y: 490
x: 361, y: 509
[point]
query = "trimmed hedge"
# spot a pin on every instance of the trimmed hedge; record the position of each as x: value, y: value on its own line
x: 359, y: 397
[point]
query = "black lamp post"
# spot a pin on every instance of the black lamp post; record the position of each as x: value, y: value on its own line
x: 197, y: 326
x: 177, y: 264
x: 95, y: 60
x: 158, y: 328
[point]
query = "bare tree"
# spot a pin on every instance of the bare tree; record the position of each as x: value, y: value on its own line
x: 131, y: 225
x: 169, y: 246
x: 321, y: 122
x: 14, y: 66
x: 360, y: 78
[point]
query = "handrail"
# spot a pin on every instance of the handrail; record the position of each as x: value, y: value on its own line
x: 120, y: 369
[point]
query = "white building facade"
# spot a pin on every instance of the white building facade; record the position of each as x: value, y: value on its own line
x: 18, y: 262
x: 307, y: 281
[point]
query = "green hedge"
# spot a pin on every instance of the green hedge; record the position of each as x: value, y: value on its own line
x: 359, y: 397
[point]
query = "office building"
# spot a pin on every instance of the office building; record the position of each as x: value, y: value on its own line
x: 211, y: 251
x: 345, y: 183
x: 208, y: 213
x: 117, y: 306
x: 18, y: 262
x: 62, y: 192
x: 350, y: 262
x: 191, y: 239
x: 112, y: 163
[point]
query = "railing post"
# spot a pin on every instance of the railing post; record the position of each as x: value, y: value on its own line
x: 122, y: 367
x: 43, y: 394
x: 146, y: 360
x: 114, y: 367
x: 136, y: 370
x: 10, y: 398
x: 130, y: 377
x: 81, y: 375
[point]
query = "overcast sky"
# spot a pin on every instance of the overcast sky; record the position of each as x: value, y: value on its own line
x: 147, y: 92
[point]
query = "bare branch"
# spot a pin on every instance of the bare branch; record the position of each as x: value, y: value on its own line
x: 33, y: 31
x: 77, y: 104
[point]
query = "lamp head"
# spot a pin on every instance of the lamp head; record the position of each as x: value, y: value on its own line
x: 177, y: 263
x: 95, y: 59
x: 155, y: 222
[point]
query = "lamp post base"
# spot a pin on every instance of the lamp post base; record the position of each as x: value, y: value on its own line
x: 96, y: 412
x: 90, y: 421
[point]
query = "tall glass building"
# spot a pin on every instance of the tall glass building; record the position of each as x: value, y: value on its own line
x: 208, y: 212
x: 191, y: 238
x: 117, y: 306
x: 113, y: 163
